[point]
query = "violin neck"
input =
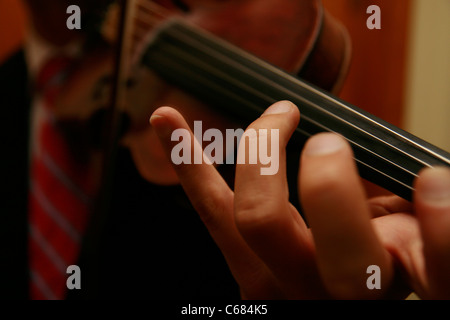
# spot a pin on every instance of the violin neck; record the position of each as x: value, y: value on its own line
x: 242, y: 86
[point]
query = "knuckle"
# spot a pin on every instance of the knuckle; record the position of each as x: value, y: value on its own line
x: 258, y: 125
x: 256, y: 213
x: 212, y: 210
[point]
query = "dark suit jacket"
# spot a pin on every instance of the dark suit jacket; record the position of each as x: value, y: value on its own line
x: 152, y: 243
x: 14, y: 104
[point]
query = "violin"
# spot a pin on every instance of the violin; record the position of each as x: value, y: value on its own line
x: 234, y: 58
x: 239, y: 57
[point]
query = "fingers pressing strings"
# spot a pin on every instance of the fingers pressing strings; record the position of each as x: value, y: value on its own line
x: 213, y: 200
x: 384, y: 205
x: 263, y: 212
x: 345, y: 241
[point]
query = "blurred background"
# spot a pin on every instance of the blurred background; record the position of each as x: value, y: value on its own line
x: 400, y: 73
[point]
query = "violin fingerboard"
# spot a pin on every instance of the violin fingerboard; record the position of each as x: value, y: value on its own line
x: 243, y: 86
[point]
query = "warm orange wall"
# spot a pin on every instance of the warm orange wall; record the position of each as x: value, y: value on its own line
x: 376, y: 79
x: 12, y: 26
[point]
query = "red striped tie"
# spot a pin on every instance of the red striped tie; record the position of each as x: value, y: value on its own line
x: 60, y: 194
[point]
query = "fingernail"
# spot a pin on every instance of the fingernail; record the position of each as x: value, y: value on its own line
x: 154, y: 117
x: 324, y: 144
x: 435, y: 186
x: 279, y: 108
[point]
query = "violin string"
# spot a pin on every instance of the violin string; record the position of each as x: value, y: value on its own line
x: 154, y: 8
x: 146, y: 22
x: 143, y: 12
x: 150, y: 8
x: 167, y: 60
x: 145, y: 15
x: 263, y: 64
x: 330, y: 99
x: 148, y: 15
x: 307, y: 134
x: 265, y: 97
x: 222, y: 58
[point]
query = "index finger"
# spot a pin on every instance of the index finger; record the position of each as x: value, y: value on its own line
x: 214, y: 201
x: 205, y: 187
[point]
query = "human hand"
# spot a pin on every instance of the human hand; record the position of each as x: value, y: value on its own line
x: 273, y: 254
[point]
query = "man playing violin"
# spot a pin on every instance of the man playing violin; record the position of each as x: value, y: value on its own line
x: 255, y: 245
